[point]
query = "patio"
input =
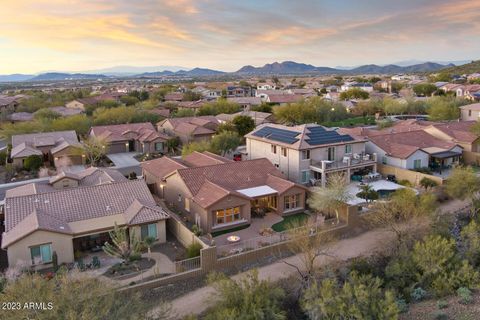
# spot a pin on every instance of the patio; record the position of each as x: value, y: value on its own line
x: 379, y: 185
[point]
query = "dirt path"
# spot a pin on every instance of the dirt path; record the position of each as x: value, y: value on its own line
x: 199, y: 300
x: 365, y: 244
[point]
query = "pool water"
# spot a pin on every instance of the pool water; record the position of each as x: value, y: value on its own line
x: 385, y: 193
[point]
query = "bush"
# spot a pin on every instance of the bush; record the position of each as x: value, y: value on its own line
x: 3, y: 158
x: 402, y: 306
x: 465, y: 295
x: 193, y: 250
x: 418, y: 294
x: 197, y: 230
x: 405, y: 183
x: 440, y: 315
x: 33, y: 163
x: 428, y: 183
x: 134, y: 257
x: 442, y: 304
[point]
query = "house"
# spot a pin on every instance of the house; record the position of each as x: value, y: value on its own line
x: 66, y: 112
x: 82, y: 103
x: 153, y: 171
x: 264, y: 94
x: 189, y: 128
x: 191, y: 105
x: 246, y: 102
x: 266, y: 86
x: 131, y: 137
x: 238, y: 91
x: 20, y: 117
x: 9, y: 104
x: 174, y: 96
x: 282, y: 99
x: 59, y: 148
x: 457, y: 132
x: 368, y: 87
x: 307, y: 154
x: 414, y: 150
x: 74, y: 213
x: 258, y: 117
x: 332, y: 96
x: 470, y: 112
x: 222, y: 195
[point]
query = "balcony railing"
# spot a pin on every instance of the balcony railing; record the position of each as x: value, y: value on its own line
x: 348, y: 161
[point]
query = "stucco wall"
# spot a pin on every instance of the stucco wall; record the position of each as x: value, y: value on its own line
x: 62, y: 244
x: 291, y: 191
x: 161, y: 231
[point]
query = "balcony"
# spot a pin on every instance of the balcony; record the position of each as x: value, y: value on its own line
x: 349, y: 161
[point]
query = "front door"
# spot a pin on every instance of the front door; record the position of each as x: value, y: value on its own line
x: 131, y: 145
x: 331, y: 154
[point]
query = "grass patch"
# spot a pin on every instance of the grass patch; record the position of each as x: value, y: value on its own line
x: 219, y: 233
x: 350, y: 122
x: 288, y: 220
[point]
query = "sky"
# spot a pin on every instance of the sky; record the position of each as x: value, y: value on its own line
x: 80, y: 35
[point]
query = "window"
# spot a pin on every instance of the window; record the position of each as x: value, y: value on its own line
x: 187, y: 204
x: 291, y: 202
x: 331, y: 154
x: 41, y: 254
x: 348, y: 148
x: 305, y: 176
x: 417, y: 164
x: 274, y: 148
x: 158, y: 146
x: 305, y: 154
x: 148, y: 230
x: 284, y: 152
x: 227, y: 215
x: 384, y: 160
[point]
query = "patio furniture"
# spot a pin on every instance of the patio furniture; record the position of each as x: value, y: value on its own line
x: 233, y: 239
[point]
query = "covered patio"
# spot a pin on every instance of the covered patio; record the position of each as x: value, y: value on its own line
x: 265, y: 199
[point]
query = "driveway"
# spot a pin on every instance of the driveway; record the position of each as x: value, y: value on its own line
x: 125, y: 162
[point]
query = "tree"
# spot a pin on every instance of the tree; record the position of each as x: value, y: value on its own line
x: 94, y: 149
x: 404, y: 206
x: 198, y: 146
x: 354, y: 93
x: 172, y: 144
x: 308, y: 245
x: 191, y: 96
x: 331, y: 198
x: 183, y: 112
x: 46, y: 114
x: 248, y: 299
x: 243, y: 124
x: 264, y: 107
x: 123, y: 246
x: 129, y: 100
x: 428, y: 183
x: 74, y: 295
x: 424, y: 89
x: 149, y: 241
x: 463, y: 184
x: 444, y: 108
x: 367, y: 193
x: 470, y: 237
x: 220, y: 106
x: 80, y: 123
x: 33, y: 162
x: 225, y: 142
x: 360, y: 297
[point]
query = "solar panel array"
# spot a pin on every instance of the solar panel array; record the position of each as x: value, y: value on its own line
x: 275, y: 134
x: 319, y: 136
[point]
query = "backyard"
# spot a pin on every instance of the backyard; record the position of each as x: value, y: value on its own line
x: 292, y: 220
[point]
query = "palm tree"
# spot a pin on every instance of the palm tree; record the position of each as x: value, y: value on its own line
x: 149, y: 241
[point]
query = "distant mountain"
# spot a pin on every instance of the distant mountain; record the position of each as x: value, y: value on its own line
x: 290, y: 67
x: 196, y: 72
x: 132, y: 70
x: 57, y: 76
x: 15, y: 77
x: 467, y: 68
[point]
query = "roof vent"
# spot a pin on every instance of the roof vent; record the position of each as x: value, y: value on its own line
x: 47, y: 201
x: 36, y: 200
x: 62, y: 227
x: 108, y: 208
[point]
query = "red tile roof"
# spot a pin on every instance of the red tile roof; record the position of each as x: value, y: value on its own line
x: 145, y: 132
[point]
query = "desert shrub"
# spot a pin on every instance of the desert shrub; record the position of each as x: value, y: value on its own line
x: 197, y: 230
x: 440, y: 315
x: 442, y: 304
x: 3, y: 158
x: 405, y: 183
x: 193, y: 250
x: 464, y: 295
x: 418, y: 294
x: 134, y: 257
x: 402, y: 305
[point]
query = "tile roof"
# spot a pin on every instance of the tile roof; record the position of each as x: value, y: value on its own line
x: 25, y: 144
x: 402, y: 145
x: 208, y: 184
x: 284, y: 98
x: 162, y: 166
x: 197, y: 159
x: 473, y: 106
x: 192, y: 125
x: 145, y: 132
x: 66, y: 112
x: 81, y: 203
x: 458, y: 130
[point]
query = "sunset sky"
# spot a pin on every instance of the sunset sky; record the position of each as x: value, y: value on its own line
x: 74, y: 35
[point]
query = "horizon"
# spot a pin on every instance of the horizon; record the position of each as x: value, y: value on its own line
x: 44, y: 35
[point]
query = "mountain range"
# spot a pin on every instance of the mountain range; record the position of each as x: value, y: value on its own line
x: 276, y: 68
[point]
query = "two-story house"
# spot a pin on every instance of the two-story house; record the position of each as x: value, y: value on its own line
x: 307, y: 154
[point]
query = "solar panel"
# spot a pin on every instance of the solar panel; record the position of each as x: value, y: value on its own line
x: 319, y: 136
x: 276, y: 134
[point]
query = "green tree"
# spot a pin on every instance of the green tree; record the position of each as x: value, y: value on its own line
x: 428, y: 183
x: 243, y: 124
x: 220, y: 106
x: 354, y: 93
x: 75, y: 296
x: 248, y: 299
x: 225, y: 142
x: 172, y: 144
x: 183, y: 112
x: 367, y: 193
x: 94, y: 149
x: 198, y: 146
x: 33, y: 162
x: 80, y: 123
x: 424, y: 89
x: 470, y: 236
x: 46, y: 114
x: 191, y: 96
x: 129, y: 100
x: 360, y: 297
x: 264, y: 107
x: 463, y: 184
x: 444, y: 108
